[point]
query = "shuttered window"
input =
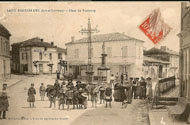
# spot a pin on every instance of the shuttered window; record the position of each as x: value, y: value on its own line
x: 124, y: 51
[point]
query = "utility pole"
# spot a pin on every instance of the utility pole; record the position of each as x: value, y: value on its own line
x: 89, y: 31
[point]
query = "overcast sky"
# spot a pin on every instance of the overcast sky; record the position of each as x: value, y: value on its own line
x: 109, y: 16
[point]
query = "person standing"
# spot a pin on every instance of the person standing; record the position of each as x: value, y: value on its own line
x: 94, y: 95
x: 117, y: 77
x: 57, y: 87
x: 122, y: 78
x: 69, y: 97
x: 134, y: 88
x: 31, y: 95
x: 42, y: 91
x: 108, y: 96
x: 61, y: 98
x: 58, y: 74
x: 112, y: 79
x: 75, y: 98
x: 4, y: 104
x: 130, y: 90
x: 102, y: 94
x: 143, y: 88
x: 149, y: 89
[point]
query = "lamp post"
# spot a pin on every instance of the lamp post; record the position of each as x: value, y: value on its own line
x: 89, y: 31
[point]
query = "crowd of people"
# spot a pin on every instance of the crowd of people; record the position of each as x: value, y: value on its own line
x: 68, y: 94
x: 119, y: 89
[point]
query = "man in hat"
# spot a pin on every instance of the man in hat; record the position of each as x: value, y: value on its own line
x: 78, y: 84
x: 70, y: 84
x: 42, y: 91
x: 4, y: 104
x: 57, y: 87
x: 31, y: 95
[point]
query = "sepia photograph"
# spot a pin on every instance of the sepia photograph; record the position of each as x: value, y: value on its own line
x: 95, y: 63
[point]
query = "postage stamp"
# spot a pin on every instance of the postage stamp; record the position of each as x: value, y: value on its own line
x: 154, y: 27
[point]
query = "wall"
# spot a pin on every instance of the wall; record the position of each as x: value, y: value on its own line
x: 4, y: 58
x: 134, y: 57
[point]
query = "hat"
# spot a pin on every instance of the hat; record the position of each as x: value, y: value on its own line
x: 148, y: 78
x: 4, y: 84
x: 80, y: 89
x: 70, y: 80
x: 78, y: 81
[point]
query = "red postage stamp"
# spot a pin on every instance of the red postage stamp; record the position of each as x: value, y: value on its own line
x: 154, y: 27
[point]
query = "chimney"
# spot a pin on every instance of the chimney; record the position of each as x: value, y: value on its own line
x: 163, y: 48
x: 52, y: 43
x: 72, y: 39
x: 42, y: 40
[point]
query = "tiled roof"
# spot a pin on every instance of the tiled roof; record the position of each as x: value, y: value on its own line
x: 34, y: 42
x: 154, y: 51
x: 4, y: 32
x: 106, y: 37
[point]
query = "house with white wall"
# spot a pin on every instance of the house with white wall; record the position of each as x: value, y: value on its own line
x: 37, y: 56
x: 124, y: 54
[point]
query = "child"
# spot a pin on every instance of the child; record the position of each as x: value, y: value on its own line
x: 42, y: 91
x: 4, y: 104
x: 31, y: 95
x: 124, y: 103
x: 108, y: 96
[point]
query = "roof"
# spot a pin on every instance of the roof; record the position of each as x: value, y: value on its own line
x: 156, y: 51
x: 61, y: 50
x: 153, y: 60
x: 106, y: 37
x: 34, y: 42
x: 4, y: 32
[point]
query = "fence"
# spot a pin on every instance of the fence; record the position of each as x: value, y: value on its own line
x: 166, y: 84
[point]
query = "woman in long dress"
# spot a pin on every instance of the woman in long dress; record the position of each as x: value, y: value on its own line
x: 149, y: 88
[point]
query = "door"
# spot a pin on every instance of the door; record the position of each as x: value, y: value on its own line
x: 4, y: 68
x: 41, y: 68
x: 160, y: 71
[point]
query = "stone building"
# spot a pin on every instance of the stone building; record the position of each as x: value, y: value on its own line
x: 185, y: 51
x: 124, y: 54
x: 4, y: 53
x: 34, y: 56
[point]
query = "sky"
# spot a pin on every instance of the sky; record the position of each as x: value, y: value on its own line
x: 59, y: 27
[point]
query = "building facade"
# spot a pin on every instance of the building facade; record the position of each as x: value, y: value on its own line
x: 154, y: 68
x: 37, y: 57
x: 185, y: 51
x: 5, y: 57
x: 168, y: 61
x: 124, y: 54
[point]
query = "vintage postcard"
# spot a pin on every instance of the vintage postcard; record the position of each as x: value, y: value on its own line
x: 95, y: 63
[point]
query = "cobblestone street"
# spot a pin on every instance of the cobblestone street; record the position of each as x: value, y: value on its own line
x: 135, y: 114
